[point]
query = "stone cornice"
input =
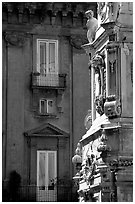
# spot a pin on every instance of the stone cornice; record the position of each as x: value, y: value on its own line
x: 53, y: 9
x: 50, y: 6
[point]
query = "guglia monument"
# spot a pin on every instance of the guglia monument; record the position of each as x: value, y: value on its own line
x: 104, y: 155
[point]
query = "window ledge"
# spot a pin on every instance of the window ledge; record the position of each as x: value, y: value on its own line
x: 46, y: 115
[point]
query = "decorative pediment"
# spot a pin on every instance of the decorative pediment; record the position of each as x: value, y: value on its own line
x: 46, y: 130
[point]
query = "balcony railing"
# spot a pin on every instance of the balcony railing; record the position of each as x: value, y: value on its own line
x: 48, y: 80
x: 32, y: 193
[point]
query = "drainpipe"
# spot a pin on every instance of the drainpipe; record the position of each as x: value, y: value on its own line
x: 6, y: 109
x: 71, y: 113
x: 28, y: 141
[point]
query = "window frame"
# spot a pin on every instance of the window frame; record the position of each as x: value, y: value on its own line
x: 46, y: 153
x: 47, y: 41
x: 46, y: 101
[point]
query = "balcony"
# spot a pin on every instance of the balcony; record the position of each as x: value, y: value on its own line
x: 49, y: 81
x: 32, y: 193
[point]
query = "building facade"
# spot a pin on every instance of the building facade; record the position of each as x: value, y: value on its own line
x: 104, y: 155
x: 45, y: 80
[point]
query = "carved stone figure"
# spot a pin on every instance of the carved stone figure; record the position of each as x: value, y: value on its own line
x: 108, y: 10
x: 99, y: 102
x: 103, y: 146
x: 98, y: 65
x: 88, y: 120
x: 114, y: 10
x: 102, y: 10
x: 92, y: 25
x: 89, y: 169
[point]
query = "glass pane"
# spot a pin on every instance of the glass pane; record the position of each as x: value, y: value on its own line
x: 42, y: 57
x: 51, y: 169
x: 50, y: 106
x: 43, y: 108
x: 51, y: 57
x: 42, y: 160
x: 50, y: 103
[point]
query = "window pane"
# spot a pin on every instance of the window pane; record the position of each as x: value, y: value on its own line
x: 43, y: 106
x: 51, y: 169
x: 50, y: 103
x: 42, y: 57
x: 50, y: 106
x: 42, y: 160
x: 51, y: 58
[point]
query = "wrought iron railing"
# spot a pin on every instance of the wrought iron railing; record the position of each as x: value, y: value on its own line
x: 32, y: 193
x: 48, y: 80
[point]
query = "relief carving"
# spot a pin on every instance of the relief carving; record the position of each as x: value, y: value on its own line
x: 89, y: 169
x: 99, y: 102
x: 112, y: 106
x: 103, y: 146
x: 112, y: 65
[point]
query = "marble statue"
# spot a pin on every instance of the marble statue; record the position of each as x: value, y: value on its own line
x: 92, y: 25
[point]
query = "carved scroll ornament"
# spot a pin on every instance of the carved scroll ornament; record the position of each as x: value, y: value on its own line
x: 15, y: 38
x: 77, y: 41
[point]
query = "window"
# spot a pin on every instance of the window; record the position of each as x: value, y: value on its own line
x: 47, y: 56
x: 46, y: 106
x: 47, y: 175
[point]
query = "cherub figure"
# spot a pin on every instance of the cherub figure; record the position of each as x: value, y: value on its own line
x: 92, y: 25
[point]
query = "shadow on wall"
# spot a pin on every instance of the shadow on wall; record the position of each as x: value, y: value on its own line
x: 11, y: 194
